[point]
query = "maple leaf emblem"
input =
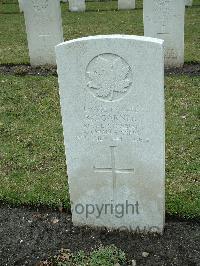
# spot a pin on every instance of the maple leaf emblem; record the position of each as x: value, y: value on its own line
x: 109, y: 77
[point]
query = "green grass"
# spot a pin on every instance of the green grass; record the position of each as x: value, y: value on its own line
x: 32, y: 153
x: 32, y: 166
x: 182, y: 146
x: 32, y: 160
x: 100, y: 18
x: 106, y: 256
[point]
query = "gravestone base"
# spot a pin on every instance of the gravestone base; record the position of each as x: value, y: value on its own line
x: 77, y: 5
x: 126, y: 4
x: 188, y: 2
x: 20, y: 6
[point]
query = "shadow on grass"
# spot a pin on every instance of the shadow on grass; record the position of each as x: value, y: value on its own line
x: 10, y: 13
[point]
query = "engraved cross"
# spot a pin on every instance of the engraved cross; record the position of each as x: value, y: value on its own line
x: 113, y: 168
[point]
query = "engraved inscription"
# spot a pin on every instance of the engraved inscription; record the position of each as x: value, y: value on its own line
x: 104, y: 123
x: 109, y: 77
x: 38, y: 5
x: 109, y: 123
x: 162, y: 11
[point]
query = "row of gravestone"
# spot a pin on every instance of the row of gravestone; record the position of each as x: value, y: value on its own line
x: 79, y: 5
x: 44, y: 28
x: 112, y: 106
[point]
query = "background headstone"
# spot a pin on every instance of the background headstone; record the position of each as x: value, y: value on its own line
x: 126, y: 4
x: 164, y: 19
x: 20, y: 6
x: 188, y: 2
x: 77, y: 5
x: 112, y: 102
x: 44, y: 30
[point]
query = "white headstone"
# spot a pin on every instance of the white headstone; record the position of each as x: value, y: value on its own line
x: 77, y: 5
x: 164, y: 19
x: 20, y: 6
x: 188, y: 2
x: 44, y: 30
x: 112, y: 102
x: 126, y: 4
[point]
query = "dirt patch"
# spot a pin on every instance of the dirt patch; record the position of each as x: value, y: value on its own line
x: 22, y: 70
x: 30, y: 235
x: 192, y: 69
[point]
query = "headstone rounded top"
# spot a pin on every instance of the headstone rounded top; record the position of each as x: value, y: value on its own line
x: 109, y: 37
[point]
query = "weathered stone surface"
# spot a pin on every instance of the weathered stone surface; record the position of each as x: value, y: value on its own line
x: 112, y: 102
x: 126, y: 4
x: 44, y: 30
x: 77, y: 5
x: 164, y: 19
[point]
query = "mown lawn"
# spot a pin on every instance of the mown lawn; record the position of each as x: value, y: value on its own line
x: 100, y: 18
x: 32, y: 160
x: 32, y: 153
